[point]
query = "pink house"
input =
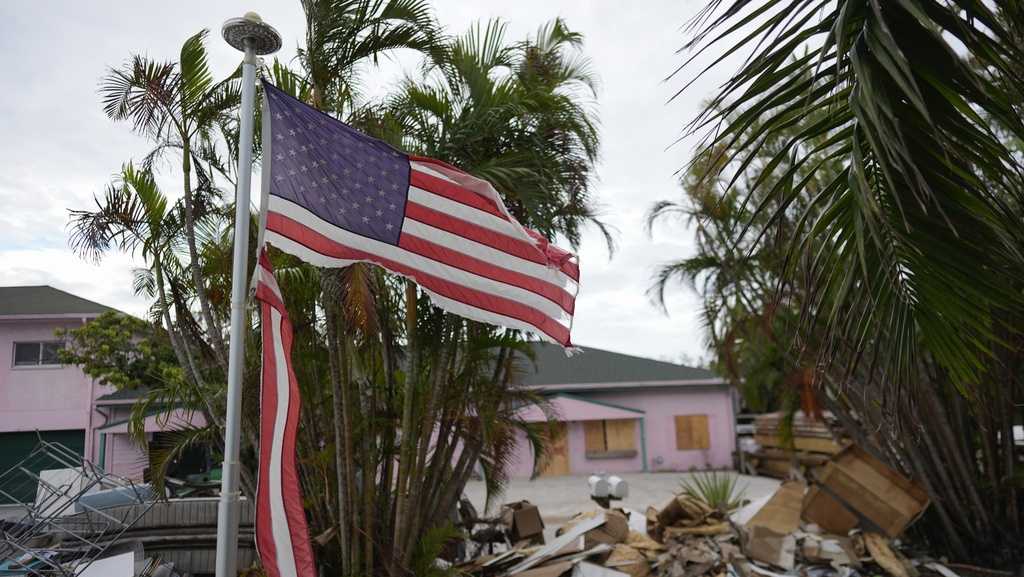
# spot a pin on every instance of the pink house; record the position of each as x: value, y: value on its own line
x: 41, y: 398
x: 617, y: 413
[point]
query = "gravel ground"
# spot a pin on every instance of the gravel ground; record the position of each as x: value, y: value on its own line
x: 559, y: 498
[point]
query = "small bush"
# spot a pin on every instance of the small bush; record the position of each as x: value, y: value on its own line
x: 719, y: 490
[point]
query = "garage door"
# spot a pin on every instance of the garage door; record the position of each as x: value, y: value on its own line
x: 15, y: 447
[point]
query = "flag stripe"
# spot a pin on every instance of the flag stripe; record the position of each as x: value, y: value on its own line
x: 487, y: 221
x: 452, y: 191
x: 470, y: 183
x: 492, y: 255
x: 476, y: 266
x: 282, y: 537
x: 286, y: 216
x: 265, y: 545
x: 474, y: 232
x: 278, y: 517
x: 295, y: 238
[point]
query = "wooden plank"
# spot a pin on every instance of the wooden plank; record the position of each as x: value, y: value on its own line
x: 593, y: 435
x: 813, y: 444
x: 881, y: 494
x: 821, y: 508
x: 620, y: 434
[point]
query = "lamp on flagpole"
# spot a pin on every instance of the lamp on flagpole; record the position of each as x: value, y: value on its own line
x: 253, y: 37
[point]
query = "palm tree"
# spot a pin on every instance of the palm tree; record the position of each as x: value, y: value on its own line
x: 442, y: 381
x: 738, y: 265
x: 181, y: 108
x: 912, y: 256
x: 519, y: 115
x: 402, y: 403
x: 134, y: 216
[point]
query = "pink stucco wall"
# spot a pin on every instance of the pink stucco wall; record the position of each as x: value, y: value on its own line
x: 44, y: 398
x: 61, y: 398
x: 660, y: 407
x: 123, y: 457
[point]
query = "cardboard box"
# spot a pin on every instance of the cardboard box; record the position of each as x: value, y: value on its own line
x: 879, y: 494
x: 524, y: 521
x: 615, y: 530
x: 767, y: 546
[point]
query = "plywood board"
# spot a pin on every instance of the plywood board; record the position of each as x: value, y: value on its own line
x: 620, y: 434
x: 593, y: 435
x: 557, y: 462
x: 692, y: 432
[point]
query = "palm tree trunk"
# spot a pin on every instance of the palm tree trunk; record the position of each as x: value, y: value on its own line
x: 166, y: 315
x: 405, y: 464
x: 438, y: 374
x: 212, y: 329
x: 339, y: 427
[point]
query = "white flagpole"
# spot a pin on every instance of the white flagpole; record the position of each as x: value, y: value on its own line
x: 252, y: 36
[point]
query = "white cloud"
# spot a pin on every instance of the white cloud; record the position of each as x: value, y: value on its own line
x: 108, y: 282
x: 59, y: 148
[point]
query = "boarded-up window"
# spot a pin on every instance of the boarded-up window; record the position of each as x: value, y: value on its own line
x: 615, y: 436
x: 593, y: 433
x: 692, y: 432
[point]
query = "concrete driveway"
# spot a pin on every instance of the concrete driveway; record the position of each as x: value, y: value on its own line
x: 559, y: 498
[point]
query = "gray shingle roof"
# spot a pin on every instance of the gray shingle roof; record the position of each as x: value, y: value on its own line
x: 45, y: 300
x: 123, y: 395
x: 600, y: 366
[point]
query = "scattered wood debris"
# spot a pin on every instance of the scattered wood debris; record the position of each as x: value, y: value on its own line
x: 789, y: 533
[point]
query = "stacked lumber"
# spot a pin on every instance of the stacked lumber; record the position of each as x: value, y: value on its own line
x: 812, y: 444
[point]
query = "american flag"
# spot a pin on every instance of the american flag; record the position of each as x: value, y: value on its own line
x: 337, y: 196
x: 282, y: 537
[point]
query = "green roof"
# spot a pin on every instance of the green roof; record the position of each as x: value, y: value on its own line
x: 593, y: 366
x: 45, y: 300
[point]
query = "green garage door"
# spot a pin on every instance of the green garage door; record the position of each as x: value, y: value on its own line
x: 15, y: 447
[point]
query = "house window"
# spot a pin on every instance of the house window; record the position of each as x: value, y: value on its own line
x: 610, y: 439
x: 37, y: 354
x: 692, y: 432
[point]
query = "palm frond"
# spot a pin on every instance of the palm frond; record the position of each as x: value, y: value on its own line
x: 922, y: 232
x: 195, y: 77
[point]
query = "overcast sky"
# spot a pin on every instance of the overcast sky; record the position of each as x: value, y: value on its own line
x: 58, y: 148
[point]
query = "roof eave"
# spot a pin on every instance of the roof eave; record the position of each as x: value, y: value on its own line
x: 108, y: 402
x: 48, y: 316
x: 580, y: 387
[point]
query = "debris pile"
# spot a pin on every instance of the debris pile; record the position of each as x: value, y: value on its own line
x: 75, y: 519
x: 812, y: 444
x: 844, y: 525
